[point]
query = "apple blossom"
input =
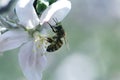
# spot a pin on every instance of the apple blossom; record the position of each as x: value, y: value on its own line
x: 31, y: 40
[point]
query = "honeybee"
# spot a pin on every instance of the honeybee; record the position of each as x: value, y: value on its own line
x: 56, y: 40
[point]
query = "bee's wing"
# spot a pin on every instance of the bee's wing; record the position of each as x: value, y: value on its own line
x: 66, y: 42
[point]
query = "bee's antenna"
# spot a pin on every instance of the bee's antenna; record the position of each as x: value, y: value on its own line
x: 55, y: 20
x: 51, y: 27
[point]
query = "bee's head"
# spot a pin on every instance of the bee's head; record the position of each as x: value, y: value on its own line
x: 58, y: 26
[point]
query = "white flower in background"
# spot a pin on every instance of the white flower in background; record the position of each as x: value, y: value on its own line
x: 3, y: 3
x: 77, y: 66
x: 32, y: 43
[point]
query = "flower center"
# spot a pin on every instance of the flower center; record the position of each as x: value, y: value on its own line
x: 40, y: 40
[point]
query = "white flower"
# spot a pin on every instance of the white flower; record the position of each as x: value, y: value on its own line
x: 32, y: 43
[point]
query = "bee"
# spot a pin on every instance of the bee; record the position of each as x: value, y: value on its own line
x: 56, y: 40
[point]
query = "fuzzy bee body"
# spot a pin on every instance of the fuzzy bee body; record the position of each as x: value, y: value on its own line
x: 56, y: 41
x: 55, y: 45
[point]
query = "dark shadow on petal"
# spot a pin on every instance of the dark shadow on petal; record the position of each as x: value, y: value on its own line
x: 7, y: 8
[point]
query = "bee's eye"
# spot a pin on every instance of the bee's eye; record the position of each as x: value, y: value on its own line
x: 59, y: 26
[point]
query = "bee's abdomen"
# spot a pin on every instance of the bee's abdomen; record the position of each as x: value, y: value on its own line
x: 55, y: 46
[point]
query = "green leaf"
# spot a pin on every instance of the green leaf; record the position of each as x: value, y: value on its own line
x: 40, y: 6
x: 51, y: 1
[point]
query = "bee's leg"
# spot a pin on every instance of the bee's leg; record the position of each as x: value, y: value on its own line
x: 50, y: 40
x: 55, y: 38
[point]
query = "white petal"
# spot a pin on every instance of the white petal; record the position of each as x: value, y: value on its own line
x: 12, y: 39
x: 26, y: 13
x: 57, y: 10
x: 32, y: 63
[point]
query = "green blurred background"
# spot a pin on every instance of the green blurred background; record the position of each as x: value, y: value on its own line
x: 93, y: 34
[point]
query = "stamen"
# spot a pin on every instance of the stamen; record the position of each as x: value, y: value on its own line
x: 40, y: 40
